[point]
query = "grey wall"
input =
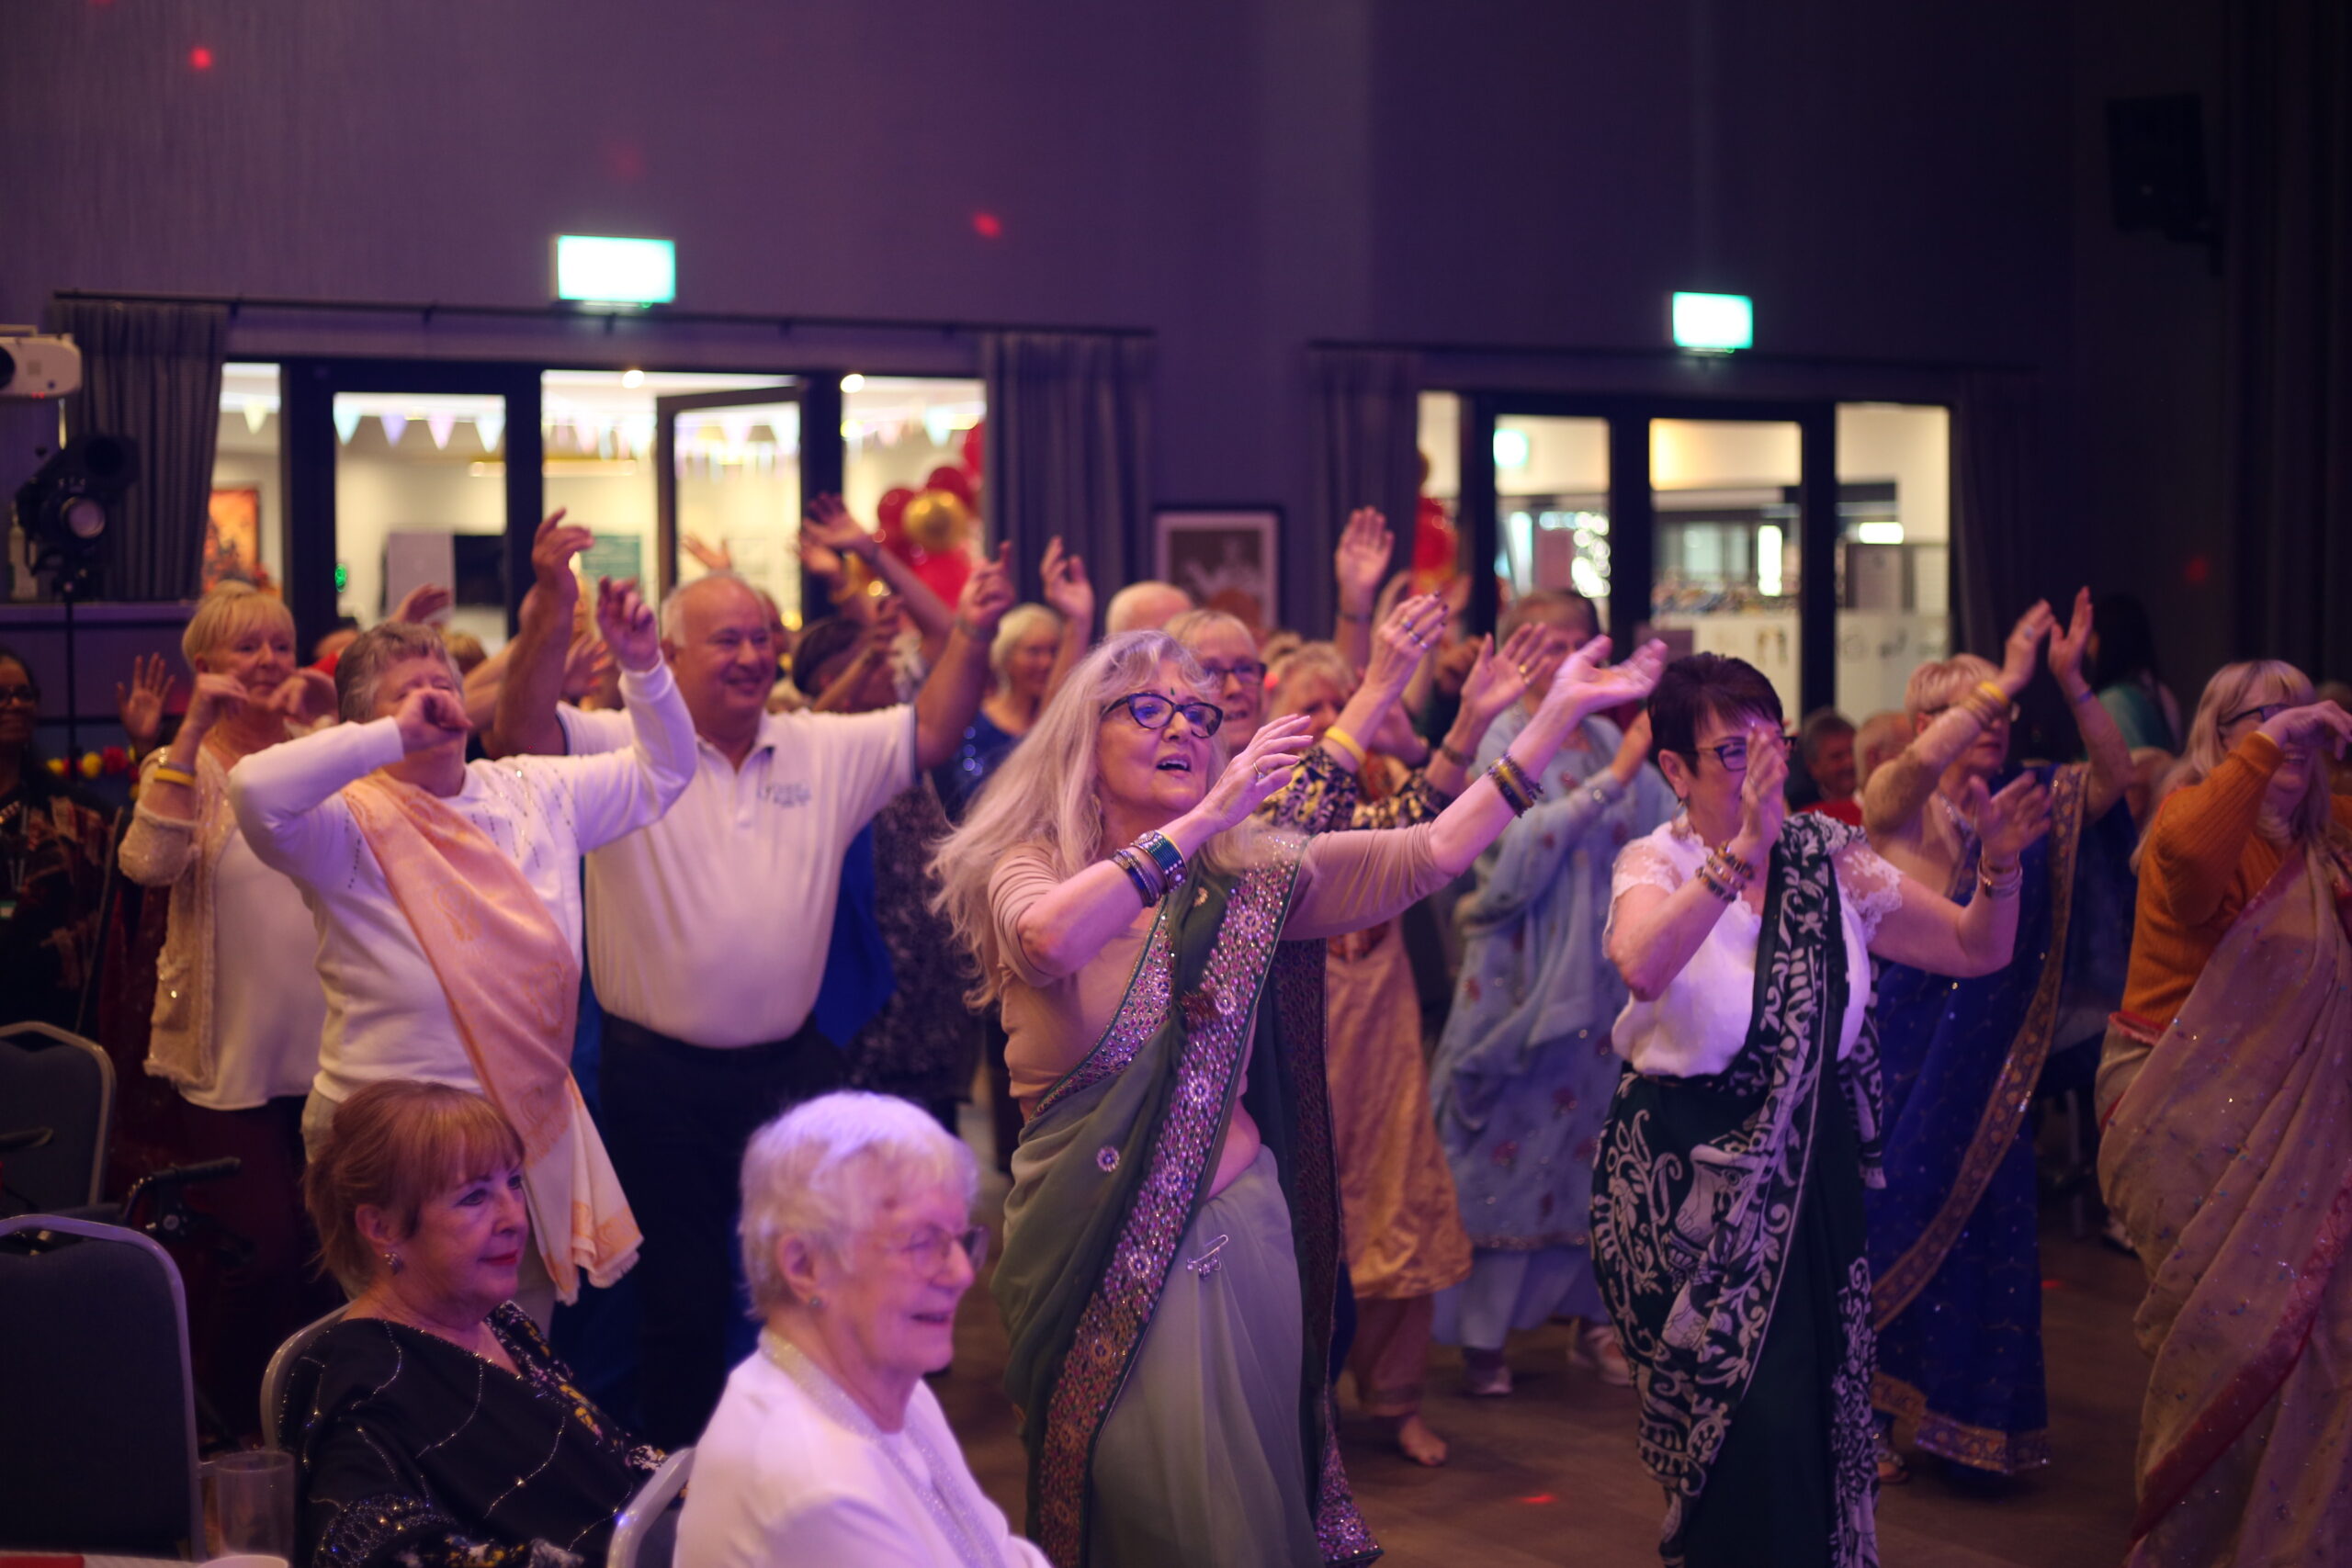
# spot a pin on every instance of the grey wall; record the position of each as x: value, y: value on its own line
x: 1899, y: 182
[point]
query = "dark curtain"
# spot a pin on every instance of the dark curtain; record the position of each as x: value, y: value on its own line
x: 1363, y: 429
x: 1994, y: 482
x: 1068, y: 451
x: 151, y: 372
x: 2289, y: 253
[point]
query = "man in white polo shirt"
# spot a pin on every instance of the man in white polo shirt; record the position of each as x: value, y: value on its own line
x: 707, y: 939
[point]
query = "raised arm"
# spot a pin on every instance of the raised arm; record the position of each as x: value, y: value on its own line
x: 1365, y: 545
x: 1493, y: 686
x: 1652, y: 931
x: 827, y: 523
x: 2199, y: 832
x: 1526, y: 861
x: 524, y: 720
x: 616, y: 792
x: 284, y: 796
x: 1405, y: 635
x: 1072, y: 597
x: 1929, y: 931
x: 952, y: 692
x: 2111, y: 754
x: 1898, y: 792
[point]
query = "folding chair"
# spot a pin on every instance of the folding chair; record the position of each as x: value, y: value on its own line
x: 97, y: 1427
x: 61, y: 1084
x: 647, y: 1530
x: 281, y: 1368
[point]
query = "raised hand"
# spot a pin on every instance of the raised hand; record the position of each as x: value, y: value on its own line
x: 139, y: 706
x: 552, y: 550
x: 628, y: 625
x: 2068, y: 648
x: 825, y: 565
x: 430, y: 716
x: 1257, y: 771
x: 1067, y: 589
x: 988, y: 595
x: 827, y: 523
x: 421, y: 603
x: 1633, y: 749
x: 1500, y: 678
x: 2007, y: 822
x: 1584, y: 677
x: 2321, y: 725
x: 585, y: 664
x: 709, y: 556
x: 1763, y: 799
x: 306, y: 696
x: 1405, y: 637
x: 213, y: 699
x: 2025, y: 637
x: 1365, y: 545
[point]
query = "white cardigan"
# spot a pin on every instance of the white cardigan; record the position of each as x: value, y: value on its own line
x: 791, y: 1472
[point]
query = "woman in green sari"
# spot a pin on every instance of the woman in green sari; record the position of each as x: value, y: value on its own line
x: 1172, y: 1236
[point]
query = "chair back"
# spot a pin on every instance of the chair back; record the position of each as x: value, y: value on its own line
x: 97, y: 1423
x: 50, y: 1079
x: 647, y: 1530
x: 281, y: 1367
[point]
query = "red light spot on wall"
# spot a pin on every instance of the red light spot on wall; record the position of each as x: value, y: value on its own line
x: 2198, y: 569
x: 988, y: 225
x: 625, y: 161
x: 1538, y: 1499
x: 199, y: 57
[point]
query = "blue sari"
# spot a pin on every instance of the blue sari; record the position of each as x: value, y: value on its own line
x: 1954, y: 1255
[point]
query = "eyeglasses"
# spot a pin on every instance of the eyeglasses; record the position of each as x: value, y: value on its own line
x: 1152, y: 711
x: 2261, y: 715
x: 1249, y: 671
x: 927, y: 1251
x: 1732, y: 754
x: 29, y: 695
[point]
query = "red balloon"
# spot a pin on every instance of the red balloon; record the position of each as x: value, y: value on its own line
x: 975, y: 444
x: 955, y: 481
x: 889, y: 514
x: 1436, y: 549
x: 945, y: 573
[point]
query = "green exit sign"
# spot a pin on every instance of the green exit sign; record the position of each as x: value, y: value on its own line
x: 599, y: 269
x: 1713, y: 323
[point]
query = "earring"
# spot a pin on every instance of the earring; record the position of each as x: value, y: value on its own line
x: 392, y: 1261
x: 816, y: 1303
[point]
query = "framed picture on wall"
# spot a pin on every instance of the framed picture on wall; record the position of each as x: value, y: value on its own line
x: 1225, y: 557
x: 232, y: 538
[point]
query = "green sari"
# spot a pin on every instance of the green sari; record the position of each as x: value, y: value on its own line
x: 1115, y: 1167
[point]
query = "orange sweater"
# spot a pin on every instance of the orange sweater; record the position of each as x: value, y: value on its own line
x: 2201, y: 863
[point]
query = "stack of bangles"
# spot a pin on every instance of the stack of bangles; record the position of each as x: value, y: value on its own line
x: 1519, y: 792
x: 1986, y: 703
x: 2000, y: 880
x: 1152, y: 864
x: 1725, y: 874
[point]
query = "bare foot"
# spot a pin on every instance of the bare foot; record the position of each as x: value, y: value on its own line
x: 1418, y: 1443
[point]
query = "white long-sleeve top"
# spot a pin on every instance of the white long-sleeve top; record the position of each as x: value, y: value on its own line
x: 386, y: 1016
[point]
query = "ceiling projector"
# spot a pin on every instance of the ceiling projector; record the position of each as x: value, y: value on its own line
x: 33, y: 366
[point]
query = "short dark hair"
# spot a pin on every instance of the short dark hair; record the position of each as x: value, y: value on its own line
x: 1820, y: 726
x: 820, y: 645
x: 1702, y: 685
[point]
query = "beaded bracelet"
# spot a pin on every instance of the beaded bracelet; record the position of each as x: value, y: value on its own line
x: 1713, y: 884
x: 1732, y: 862
x: 1164, y: 855
x: 2003, y: 883
x: 1508, y: 787
x: 1462, y: 760
x: 1532, y: 789
x: 1345, y: 742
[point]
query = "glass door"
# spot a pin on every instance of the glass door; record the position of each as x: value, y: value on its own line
x: 1727, y: 560
x: 730, y: 468
x: 403, y: 474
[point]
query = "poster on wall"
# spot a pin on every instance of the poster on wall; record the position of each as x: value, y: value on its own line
x: 232, y: 538
x: 1224, y: 556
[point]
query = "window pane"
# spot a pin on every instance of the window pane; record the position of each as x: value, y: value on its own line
x: 1894, y: 550
x: 598, y: 432
x: 245, y: 538
x: 420, y: 496
x: 739, y: 491
x: 1726, y: 494
x: 898, y: 432
x: 1552, y: 506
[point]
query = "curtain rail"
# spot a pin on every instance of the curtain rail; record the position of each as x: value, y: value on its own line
x: 424, y: 311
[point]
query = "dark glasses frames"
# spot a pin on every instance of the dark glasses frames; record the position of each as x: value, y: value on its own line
x: 1153, y: 711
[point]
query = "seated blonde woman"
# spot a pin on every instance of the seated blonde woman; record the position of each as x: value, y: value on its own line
x: 2226, y: 1089
x: 432, y: 1426
x: 827, y: 1447
x: 446, y: 899
x: 238, y: 1008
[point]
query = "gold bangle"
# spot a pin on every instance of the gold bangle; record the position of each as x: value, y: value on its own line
x: 1345, y: 742
x: 165, y: 773
x: 1994, y: 694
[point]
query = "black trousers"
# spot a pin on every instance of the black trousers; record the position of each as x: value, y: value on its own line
x: 676, y: 1120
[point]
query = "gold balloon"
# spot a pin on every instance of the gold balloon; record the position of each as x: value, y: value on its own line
x: 937, y: 520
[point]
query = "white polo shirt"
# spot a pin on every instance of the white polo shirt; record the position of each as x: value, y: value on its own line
x: 711, y: 926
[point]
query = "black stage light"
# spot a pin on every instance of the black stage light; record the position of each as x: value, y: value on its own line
x: 67, y: 505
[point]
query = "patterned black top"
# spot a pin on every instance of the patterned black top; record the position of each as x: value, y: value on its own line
x: 413, y: 1453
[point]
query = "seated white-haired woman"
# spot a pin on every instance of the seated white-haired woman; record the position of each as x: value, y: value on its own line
x: 827, y: 1446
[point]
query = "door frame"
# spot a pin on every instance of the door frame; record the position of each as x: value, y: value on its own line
x: 1632, y: 516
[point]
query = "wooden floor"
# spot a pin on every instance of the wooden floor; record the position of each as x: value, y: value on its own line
x: 1548, y: 1475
